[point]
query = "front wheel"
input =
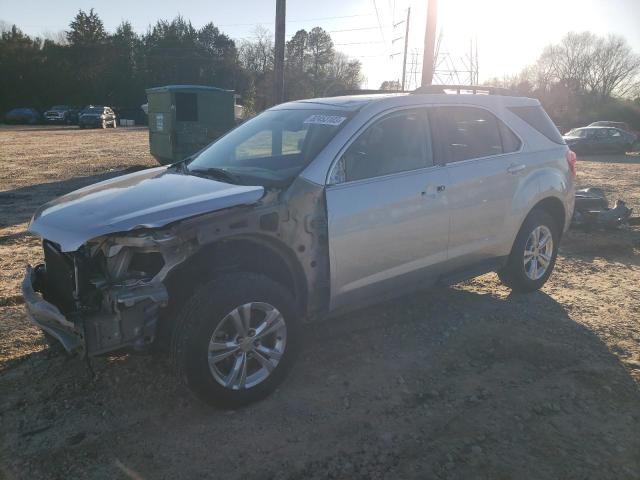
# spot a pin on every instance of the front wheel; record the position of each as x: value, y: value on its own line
x: 234, y: 339
x: 533, y: 254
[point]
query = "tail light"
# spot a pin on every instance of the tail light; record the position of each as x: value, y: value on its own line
x: 571, y: 161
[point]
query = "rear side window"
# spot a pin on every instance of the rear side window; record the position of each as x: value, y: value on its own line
x: 538, y: 119
x: 465, y: 133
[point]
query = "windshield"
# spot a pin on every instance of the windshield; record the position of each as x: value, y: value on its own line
x: 93, y: 110
x: 272, y: 148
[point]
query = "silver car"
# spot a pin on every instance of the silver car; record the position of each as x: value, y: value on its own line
x: 312, y: 208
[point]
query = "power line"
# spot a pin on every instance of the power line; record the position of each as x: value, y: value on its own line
x: 353, y: 29
x: 256, y: 23
x: 379, y: 24
x: 359, y: 43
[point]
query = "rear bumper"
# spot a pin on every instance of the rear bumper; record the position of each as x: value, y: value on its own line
x: 49, y: 318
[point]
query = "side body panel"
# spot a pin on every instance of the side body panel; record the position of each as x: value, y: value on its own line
x: 480, y: 197
x: 386, y: 234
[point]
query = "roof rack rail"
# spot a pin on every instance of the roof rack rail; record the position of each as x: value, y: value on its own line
x: 366, y: 91
x: 474, y: 89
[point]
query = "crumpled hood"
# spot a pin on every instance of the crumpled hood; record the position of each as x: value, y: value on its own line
x: 146, y: 199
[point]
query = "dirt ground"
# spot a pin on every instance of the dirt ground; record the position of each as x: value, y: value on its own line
x: 457, y: 383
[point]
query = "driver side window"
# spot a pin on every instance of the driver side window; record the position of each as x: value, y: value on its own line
x: 396, y: 143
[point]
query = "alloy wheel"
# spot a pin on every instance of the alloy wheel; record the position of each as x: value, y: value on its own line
x: 247, y: 345
x: 538, y: 252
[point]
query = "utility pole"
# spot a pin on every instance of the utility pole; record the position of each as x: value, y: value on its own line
x: 406, y: 42
x: 429, y: 43
x: 278, y: 80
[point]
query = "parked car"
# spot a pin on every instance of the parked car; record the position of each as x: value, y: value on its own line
x: 61, y: 114
x: 97, y: 116
x: 599, y: 140
x: 310, y: 209
x: 605, y: 123
x: 28, y: 116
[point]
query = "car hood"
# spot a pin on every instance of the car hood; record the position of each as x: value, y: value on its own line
x: 571, y: 138
x: 147, y: 199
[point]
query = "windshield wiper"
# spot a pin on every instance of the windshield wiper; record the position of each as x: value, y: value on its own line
x: 215, y: 172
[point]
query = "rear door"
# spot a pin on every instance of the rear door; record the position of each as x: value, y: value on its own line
x: 615, y: 139
x: 387, y: 212
x: 484, y: 169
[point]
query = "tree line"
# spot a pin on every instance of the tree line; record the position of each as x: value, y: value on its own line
x: 88, y: 65
x: 583, y: 78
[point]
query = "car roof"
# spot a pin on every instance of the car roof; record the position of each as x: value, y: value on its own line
x: 357, y: 102
x: 186, y: 88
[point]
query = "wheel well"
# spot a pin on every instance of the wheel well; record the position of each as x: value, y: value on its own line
x: 239, y: 254
x: 553, y: 207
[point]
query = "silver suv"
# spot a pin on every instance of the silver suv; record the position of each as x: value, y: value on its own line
x: 312, y: 208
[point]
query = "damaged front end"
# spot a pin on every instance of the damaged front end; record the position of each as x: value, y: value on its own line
x: 107, y: 294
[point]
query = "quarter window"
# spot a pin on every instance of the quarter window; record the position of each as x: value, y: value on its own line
x: 468, y: 132
x: 396, y: 143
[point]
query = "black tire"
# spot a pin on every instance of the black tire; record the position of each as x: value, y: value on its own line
x: 204, y: 312
x: 513, y: 275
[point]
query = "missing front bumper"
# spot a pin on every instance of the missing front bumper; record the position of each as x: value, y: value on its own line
x: 130, y: 320
x: 49, y: 318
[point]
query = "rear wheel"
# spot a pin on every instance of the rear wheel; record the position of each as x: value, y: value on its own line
x: 234, y: 339
x: 533, y: 254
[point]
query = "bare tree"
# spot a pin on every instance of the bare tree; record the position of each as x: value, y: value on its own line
x: 586, y: 63
x: 614, y: 69
x: 257, y: 55
x: 391, y: 85
x: 59, y: 37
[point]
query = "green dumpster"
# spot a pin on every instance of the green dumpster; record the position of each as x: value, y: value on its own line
x: 185, y: 118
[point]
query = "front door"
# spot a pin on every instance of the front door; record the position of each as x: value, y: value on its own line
x: 387, y: 212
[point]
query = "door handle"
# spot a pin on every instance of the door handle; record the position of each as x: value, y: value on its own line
x: 513, y: 169
x: 431, y: 190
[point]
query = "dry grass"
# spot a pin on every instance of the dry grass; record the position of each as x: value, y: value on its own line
x: 464, y: 382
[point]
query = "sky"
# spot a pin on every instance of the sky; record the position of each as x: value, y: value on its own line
x: 510, y: 34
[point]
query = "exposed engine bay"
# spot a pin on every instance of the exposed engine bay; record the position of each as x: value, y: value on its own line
x: 114, y: 290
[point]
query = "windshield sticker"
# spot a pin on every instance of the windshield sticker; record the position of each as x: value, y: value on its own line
x: 333, y: 120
